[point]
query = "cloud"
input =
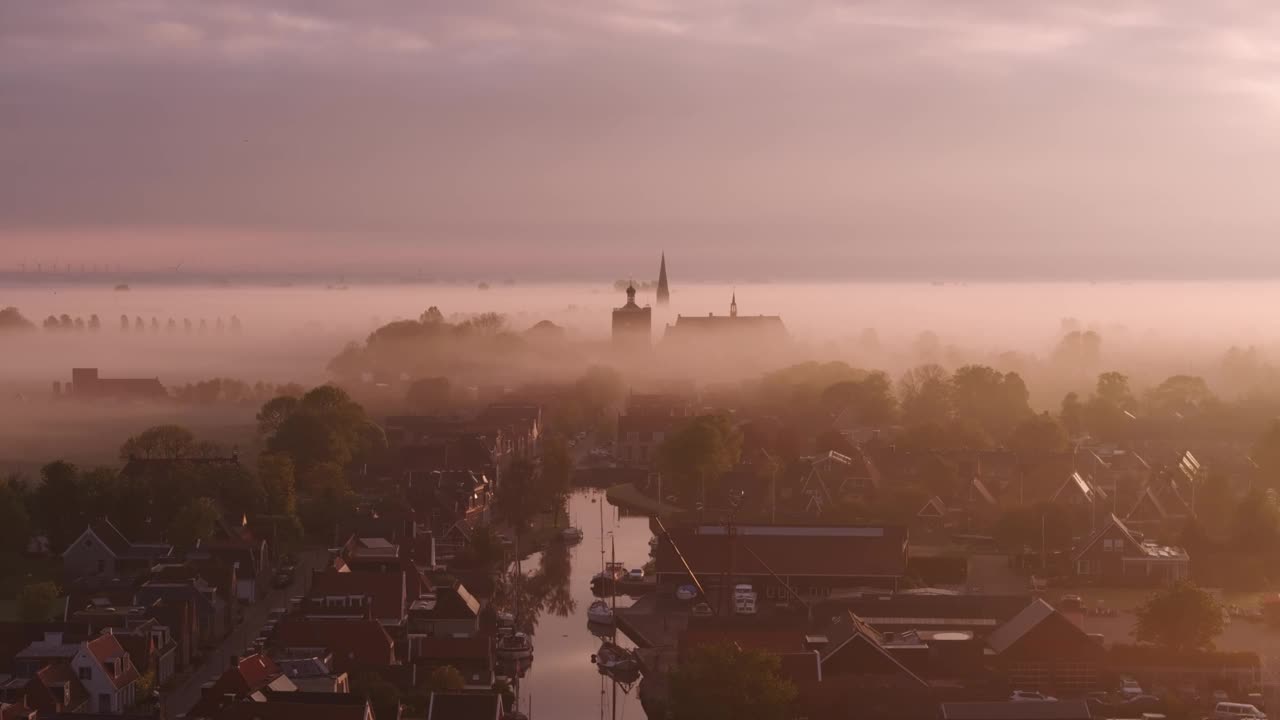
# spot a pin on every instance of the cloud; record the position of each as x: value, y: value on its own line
x: 916, y: 126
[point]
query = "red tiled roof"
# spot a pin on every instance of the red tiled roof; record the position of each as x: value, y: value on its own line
x: 386, y: 589
x: 359, y: 641
x: 790, y: 550
x: 251, y: 674
x: 107, y: 647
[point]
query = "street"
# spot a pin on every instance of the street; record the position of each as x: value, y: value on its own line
x: 179, y: 699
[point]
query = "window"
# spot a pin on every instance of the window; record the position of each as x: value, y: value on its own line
x: 104, y: 703
x: 1106, y: 544
x: 84, y: 673
x: 1082, y: 567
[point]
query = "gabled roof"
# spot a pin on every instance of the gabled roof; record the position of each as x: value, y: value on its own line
x: 933, y: 507
x: 106, y: 647
x: 387, y: 589
x: 56, y: 676
x: 849, y: 632
x: 979, y: 488
x: 452, y: 602
x: 1024, y: 622
x: 111, y: 537
x: 458, y: 706
x: 357, y: 640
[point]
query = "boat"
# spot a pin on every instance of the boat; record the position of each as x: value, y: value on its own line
x: 571, y: 535
x: 612, y: 658
x: 600, y: 613
x: 516, y: 646
x: 506, y: 619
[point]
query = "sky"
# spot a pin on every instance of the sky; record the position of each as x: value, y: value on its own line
x: 566, y: 139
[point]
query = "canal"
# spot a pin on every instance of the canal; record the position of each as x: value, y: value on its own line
x: 561, y: 682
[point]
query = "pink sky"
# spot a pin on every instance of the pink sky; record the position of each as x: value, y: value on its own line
x: 562, y: 137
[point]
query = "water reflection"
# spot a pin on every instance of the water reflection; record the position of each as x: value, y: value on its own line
x: 554, y: 592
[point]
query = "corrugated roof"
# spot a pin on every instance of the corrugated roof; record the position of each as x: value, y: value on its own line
x: 1028, y: 710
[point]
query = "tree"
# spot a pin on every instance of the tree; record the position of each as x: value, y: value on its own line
x: 15, y: 523
x: 996, y: 401
x: 168, y: 442
x: 697, y: 453
x: 430, y: 395
x: 1113, y: 389
x: 925, y: 395
x: 1072, y: 414
x: 1038, y: 434
x: 870, y: 400
x: 274, y: 412
x: 556, y: 470
x: 124, y: 323
x: 194, y: 523
x: 1180, y: 618
x: 12, y: 319
x: 275, y: 471
x: 1179, y: 395
x: 58, y: 504
x: 724, y: 682
x: 1266, y: 453
x: 1256, y: 524
x: 36, y: 601
x: 324, y: 426
x: 95, y: 324
x: 432, y: 316
x: 446, y: 678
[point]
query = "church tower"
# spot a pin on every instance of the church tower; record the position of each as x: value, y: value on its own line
x: 664, y: 293
x: 733, y: 305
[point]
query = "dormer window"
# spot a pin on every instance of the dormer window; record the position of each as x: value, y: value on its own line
x: 84, y: 673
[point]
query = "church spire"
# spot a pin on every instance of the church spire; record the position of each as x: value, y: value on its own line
x: 664, y: 293
x: 733, y: 305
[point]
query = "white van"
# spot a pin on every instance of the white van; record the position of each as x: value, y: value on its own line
x: 1236, y: 711
x: 744, y: 600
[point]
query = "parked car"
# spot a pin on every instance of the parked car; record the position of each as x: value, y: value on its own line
x: 702, y: 610
x: 1130, y: 688
x: 1030, y: 696
x: 1236, y: 711
x: 635, y: 574
x: 685, y: 593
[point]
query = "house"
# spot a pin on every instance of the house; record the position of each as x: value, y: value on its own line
x: 831, y: 477
x: 150, y: 644
x: 248, y: 557
x: 357, y: 594
x: 1118, y: 555
x: 1041, y: 649
x: 244, y: 677
x: 471, y: 656
x: 177, y: 584
x: 448, y: 611
x: 314, y: 674
x: 813, y: 560
x: 102, y: 550
x: 641, y: 435
x: 1166, y: 500
x: 53, y: 688
x: 352, y: 642
x: 298, y: 705
x: 17, y: 711
x: 100, y: 664
x: 1009, y: 710
x: 905, y: 611
x: 86, y: 383
x: 447, y: 497
x: 461, y: 706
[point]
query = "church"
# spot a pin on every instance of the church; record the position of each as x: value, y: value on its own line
x: 632, y: 324
x: 755, y: 328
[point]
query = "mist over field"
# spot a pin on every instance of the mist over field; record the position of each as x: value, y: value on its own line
x: 291, y: 334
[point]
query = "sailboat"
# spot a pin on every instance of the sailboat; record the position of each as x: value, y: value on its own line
x: 517, y: 645
x: 605, y: 580
x: 612, y: 659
